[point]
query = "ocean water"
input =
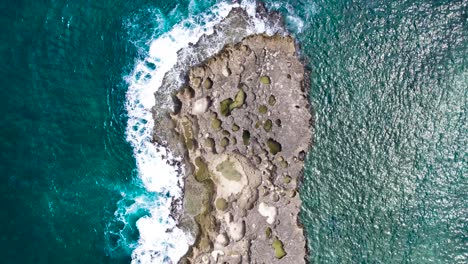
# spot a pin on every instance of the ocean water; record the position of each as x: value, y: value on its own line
x: 385, y: 181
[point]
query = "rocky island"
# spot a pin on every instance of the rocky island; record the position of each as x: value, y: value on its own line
x: 242, y: 124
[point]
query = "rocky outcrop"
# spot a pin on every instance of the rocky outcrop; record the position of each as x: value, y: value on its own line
x: 243, y: 118
x: 237, y: 25
x: 241, y: 122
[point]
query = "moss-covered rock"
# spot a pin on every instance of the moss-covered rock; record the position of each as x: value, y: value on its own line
x: 224, y: 142
x: 268, y: 232
x: 273, y: 146
x: 268, y: 125
x: 207, y: 225
x: 229, y: 171
x: 215, y: 123
x: 195, y: 82
x: 287, y: 179
x: 239, y: 100
x: 235, y: 127
x: 207, y: 83
x: 262, y: 109
x: 221, y: 204
x: 202, y: 172
x: 257, y: 124
x: 272, y: 100
x: 279, y: 249
x: 224, y: 107
x: 265, y: 80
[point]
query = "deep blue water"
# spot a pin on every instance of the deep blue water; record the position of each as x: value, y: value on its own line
x: 385, y: 182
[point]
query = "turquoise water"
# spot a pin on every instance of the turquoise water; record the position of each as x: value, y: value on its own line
x: 385, y: 181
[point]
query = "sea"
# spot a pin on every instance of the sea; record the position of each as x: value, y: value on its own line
x: 386, y: 179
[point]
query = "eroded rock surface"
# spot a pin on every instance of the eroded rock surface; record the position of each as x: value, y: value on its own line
x: 244, y: 122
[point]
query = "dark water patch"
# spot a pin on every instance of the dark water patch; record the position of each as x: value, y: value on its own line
x: 64, y: 157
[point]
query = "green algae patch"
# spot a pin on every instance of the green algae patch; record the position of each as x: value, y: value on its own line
x: 224, y: 142
x: 278, y: 247
x: 216, y: 123
x: 284, y: 164
x: 257, y: 124
x: 262, y: 109
x: 207, y: 224
x: 273, y: 146
x: 272, y: 100
x: 202, y: 173
x: 221, y: 204
x: 224, y: 107
x: 239, y: 100
x: 268, y: 125
x: 229, y: 171
x: 246, y: 137
x: 205, y: 221
x: 265, y: 80
x: 207, y: 83
x: 268, y: 232
x: 196, y: 82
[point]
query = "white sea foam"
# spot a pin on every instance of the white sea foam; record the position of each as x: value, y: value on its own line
x: 161, y: 241
x: 295, y: 15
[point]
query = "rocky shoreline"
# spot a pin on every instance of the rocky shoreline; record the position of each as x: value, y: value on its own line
x: 242, y: 124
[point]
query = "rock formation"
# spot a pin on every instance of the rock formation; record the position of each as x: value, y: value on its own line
x: 242, y: 124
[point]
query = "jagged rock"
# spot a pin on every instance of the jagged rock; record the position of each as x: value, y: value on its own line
x: 242, y: 124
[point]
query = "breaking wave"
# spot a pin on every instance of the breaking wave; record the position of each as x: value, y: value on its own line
x: 142, y: 223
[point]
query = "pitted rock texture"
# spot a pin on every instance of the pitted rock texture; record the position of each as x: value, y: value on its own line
x: 244, y: 121
x: 230, y: 30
